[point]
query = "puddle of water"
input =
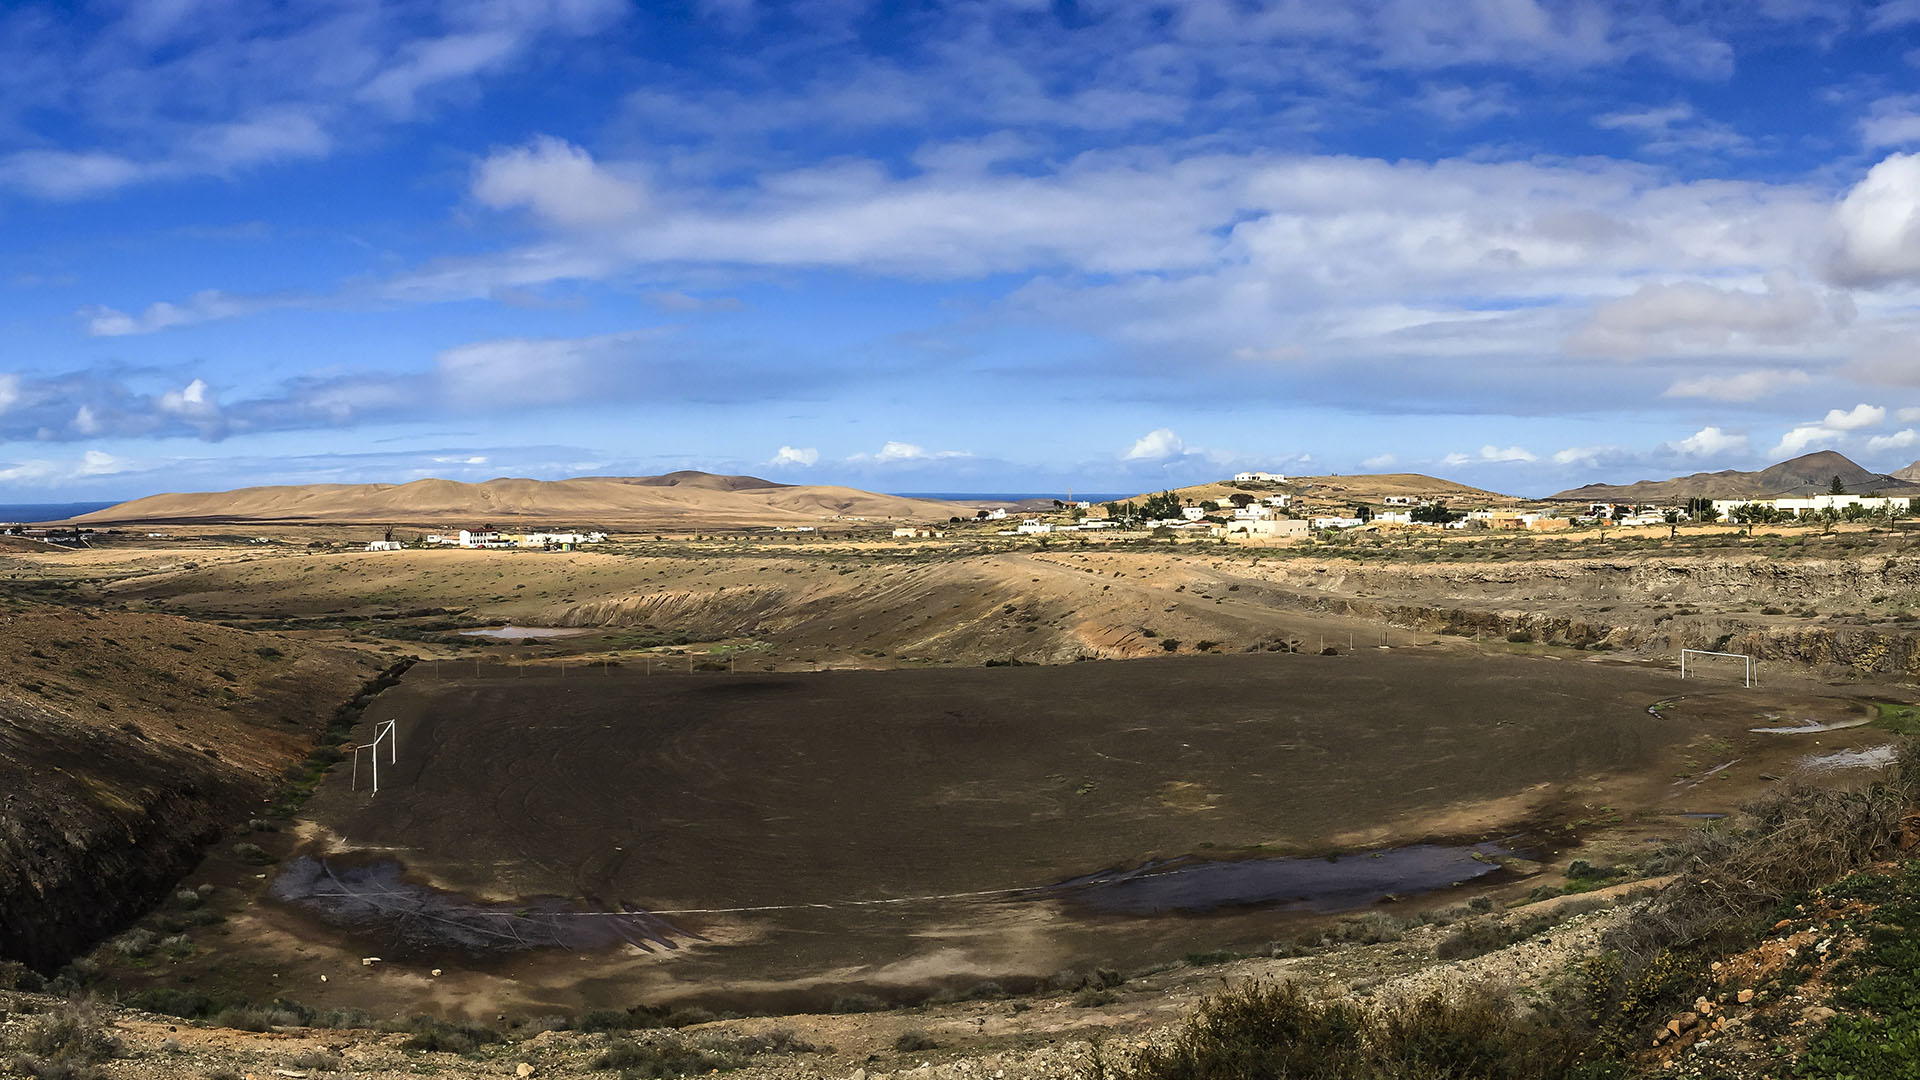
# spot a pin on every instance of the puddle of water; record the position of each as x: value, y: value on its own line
x: 1324, y: 885
x: 1810, y: 727
x: 375, y: 898
x: 1872, y: 757
x: 517, y: 633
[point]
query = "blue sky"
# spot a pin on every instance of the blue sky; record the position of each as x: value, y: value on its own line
x: 999, y: 245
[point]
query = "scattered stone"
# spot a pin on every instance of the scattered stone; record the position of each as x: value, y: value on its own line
x: 369, y: 961
x: 1744, y: 996
x: 523, y: 1070
x: 436, y: 973
x: 1818, y: 1014
x: 323, y: 978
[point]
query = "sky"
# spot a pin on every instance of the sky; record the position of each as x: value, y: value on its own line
x: 1001, y: 245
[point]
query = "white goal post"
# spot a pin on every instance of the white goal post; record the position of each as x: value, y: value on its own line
x: 1709, y: 652
x: 381, y: 733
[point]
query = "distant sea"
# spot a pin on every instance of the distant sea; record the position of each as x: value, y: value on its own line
x: 1015, y: 496
x: 28, y: 513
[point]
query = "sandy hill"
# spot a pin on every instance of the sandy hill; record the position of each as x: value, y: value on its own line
x: 1361, y: 488
x: 1809, y: 474
x: 676, y: 500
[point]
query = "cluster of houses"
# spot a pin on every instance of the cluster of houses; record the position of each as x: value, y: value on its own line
x: 489, y: 538
x: 1729, y: 509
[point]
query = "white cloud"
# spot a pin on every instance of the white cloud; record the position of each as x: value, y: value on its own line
x: 1511, y: 453
x: 1891, y: 122
x: 473, y: 459
x: 559, y: 182
x: 221, y: 87
x: 9, y: 391
x: 1460, y: 105
x: 85, y: 421
x: 1689, y: 316
x: 893, y: 452
x: 1155, y: 445
x: 63, y: 174
x: 1860, y: 416
x: 1710, y: 442
x: 1889, y: 14
x: 49, y: 473
x: 192, y: 400
x: 1673, y: 129
x: 1380, y: 461
x: 204, y: 306
x: 1743, y: 386
x: 1877, y: 225
x: 533, y: 371
x: 1491, y: 453
x: 1798, y: 440
x: 1899, y: 440
x: 1826, y: 433
x: 795, y: 455
x: 1908, y: 416
x: 1584, y: 455
x: 99, y: 463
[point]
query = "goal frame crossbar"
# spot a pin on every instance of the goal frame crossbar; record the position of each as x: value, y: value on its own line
x: 382, y: 732
x: 1747, y: 657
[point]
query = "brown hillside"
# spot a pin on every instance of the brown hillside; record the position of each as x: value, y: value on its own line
x: 1364, y: 487
x: 1805, y: 475
x: 677, y: 500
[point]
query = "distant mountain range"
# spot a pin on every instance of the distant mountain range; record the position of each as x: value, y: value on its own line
x: 680, y: 499
x: 1809, y: 474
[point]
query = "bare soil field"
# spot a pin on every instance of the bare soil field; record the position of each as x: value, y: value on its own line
x: 778, y: 842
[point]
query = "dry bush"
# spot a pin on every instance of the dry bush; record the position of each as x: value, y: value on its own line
x: 1275, y: 1031
x: 67, y: 1044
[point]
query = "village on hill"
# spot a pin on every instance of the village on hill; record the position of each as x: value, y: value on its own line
x: 1257, y: 507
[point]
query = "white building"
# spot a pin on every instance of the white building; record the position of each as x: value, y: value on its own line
x: 1034, y: 525
x: 1406, y: 500
x: 1255, y: 512
x: 1337, y: 522
x: 999, y: 514
x: 386, y: 545
x: 1278, y: 501
x: 1268, y: 528
x: 1258, y: 478
x: 1394, y: 517
x: 1801, y: 506
x: 1193, y: 513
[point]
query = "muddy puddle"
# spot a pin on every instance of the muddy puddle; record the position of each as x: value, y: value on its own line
x: 375, y: 901
x: 1321, y: 885
x: 520, y: 633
